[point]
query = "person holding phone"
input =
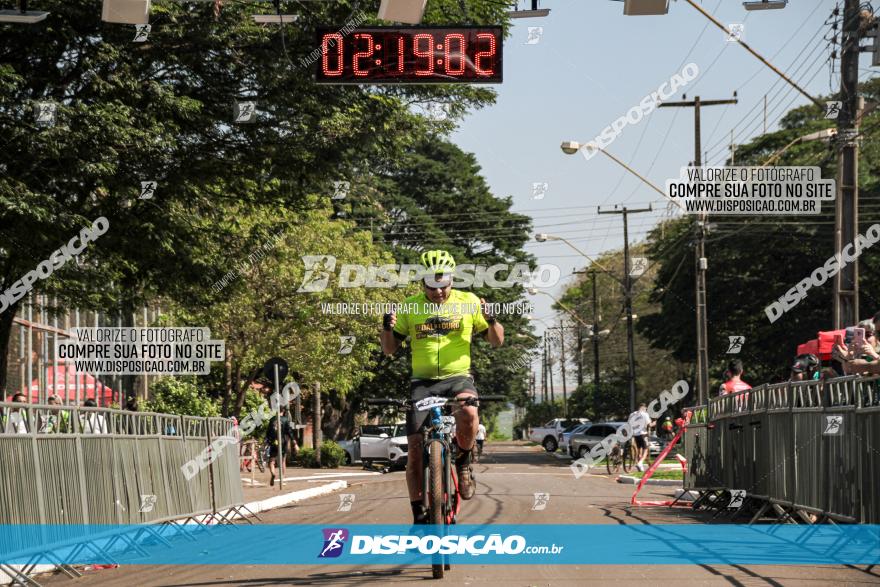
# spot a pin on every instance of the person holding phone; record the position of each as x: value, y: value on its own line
x: 859, y: 356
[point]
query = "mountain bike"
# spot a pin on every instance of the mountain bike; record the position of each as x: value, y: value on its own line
x: 624, y: 454
x: 440, y: 483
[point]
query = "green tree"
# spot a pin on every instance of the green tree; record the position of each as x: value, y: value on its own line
x: 162, y: 111
x: 754, y: 260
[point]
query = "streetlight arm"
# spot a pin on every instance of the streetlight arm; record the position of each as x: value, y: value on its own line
x: 564, y: 307
x: 755, y: 53
x: 583, y: 254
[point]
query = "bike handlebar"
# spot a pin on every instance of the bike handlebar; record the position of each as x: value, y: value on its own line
x: 387, y: 401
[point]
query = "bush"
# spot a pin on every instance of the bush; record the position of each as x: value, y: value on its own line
x: 306, y: 458
x: 180, y: 396
x: 332, y: 455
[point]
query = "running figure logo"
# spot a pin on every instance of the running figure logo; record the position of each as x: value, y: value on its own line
x: 832, y: 109
x: 541, y: 501
x: 833, y: 425
x: 737, y: 496
x: 334, y: 540
x: 346, y: 501
x: 148, y: 502
x: 736, y: 344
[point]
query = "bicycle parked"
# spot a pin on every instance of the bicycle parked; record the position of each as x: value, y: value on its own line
x: 440, y: 491
x: 621, y: 455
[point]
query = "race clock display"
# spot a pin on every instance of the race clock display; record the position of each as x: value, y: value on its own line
x: 410, y: 55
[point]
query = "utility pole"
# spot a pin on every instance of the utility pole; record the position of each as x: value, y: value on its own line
x: 580, y: 352
x: 700, y: 254
x: 564, y: 387
x: 544, y: 372
x: 627, y: 292
x: 846, y: 216
x: 595, y: 336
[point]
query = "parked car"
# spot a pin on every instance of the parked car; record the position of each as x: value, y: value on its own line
x: 550, y: 434
x: 655, y: 445
x: 582, y: 442
x: 382, y: 443
x: 566, y: 434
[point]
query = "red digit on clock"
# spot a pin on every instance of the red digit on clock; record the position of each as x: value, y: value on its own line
x: 489, y: 53
x: 401, y: 42
x: 458, y: 54
x: 333, y: 40
x: 428, y: 54
x: 356, y: 58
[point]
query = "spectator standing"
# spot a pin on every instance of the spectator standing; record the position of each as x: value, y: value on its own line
x: 55, y: 421
x: 666, y: 429
x: 287, y: 437
x: 481, y: 438
x: 735, y: 383
x: 639, y: 422
x: 17, y: 419
x: 92, y: 422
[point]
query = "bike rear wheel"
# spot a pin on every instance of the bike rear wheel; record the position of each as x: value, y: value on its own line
x: 613, y: 459
x: 629, y: 456
x: 436, y: 515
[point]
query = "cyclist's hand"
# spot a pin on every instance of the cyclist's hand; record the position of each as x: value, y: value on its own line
x: 388, y: 321
x: 486, y: 309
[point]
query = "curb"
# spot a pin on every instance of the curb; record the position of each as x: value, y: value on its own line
x: 630, y: 480
x: 294, y: 497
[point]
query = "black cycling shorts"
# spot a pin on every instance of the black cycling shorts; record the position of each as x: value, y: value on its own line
x: 641, y: 441
x: 422, y: 388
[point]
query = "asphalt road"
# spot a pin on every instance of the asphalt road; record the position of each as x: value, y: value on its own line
x: 507, y: 479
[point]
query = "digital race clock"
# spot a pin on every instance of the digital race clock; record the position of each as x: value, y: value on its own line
x: 411, y: 55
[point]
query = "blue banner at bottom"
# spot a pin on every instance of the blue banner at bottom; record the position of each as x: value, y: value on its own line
x: 191, y: 544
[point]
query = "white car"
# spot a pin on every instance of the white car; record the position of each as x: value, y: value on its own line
x: 550, y: 434
x: 382, y: 443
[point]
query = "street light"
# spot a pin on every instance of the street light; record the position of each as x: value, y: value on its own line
x: 544, y: 237
x: 822, y: 135
x: 408, y: 11
x: 533, y: 13
x: 534, y: 291
x: 645, y: 7
x: 765, y: 5
x: 572, y: 147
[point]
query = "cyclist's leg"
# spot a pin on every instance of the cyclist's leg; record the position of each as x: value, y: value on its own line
x: 467, y: 421
x: 415, y: 421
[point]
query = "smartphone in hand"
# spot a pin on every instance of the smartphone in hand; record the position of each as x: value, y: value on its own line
x: 858, y: 337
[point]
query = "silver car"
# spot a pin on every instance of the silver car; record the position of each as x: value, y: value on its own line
x: 582, y: 442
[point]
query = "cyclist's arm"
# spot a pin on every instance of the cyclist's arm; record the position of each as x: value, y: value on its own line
x: 393, y: 332
x: 487, y: 323
x: 495, y: 334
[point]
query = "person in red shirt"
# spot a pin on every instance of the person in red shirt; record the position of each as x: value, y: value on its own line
x: 734, y: 383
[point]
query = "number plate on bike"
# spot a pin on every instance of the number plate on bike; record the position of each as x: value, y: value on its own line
x: 430, y: 402
x: 447, y: 423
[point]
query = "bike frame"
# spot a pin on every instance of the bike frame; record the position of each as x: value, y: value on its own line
x: 434, y: 439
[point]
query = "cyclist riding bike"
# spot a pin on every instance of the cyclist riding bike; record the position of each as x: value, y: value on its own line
x: 440, y: 323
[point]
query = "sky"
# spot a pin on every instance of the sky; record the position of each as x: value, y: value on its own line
x: 592, y: 64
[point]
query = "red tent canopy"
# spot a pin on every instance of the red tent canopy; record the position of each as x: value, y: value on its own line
x: 61, y: 382
x: 821, y: 347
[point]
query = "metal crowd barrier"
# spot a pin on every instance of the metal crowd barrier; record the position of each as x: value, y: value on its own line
x: 63, y: 465
x: 808, y: 448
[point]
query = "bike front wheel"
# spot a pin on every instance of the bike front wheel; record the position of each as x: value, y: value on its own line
x: 435, y: 471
